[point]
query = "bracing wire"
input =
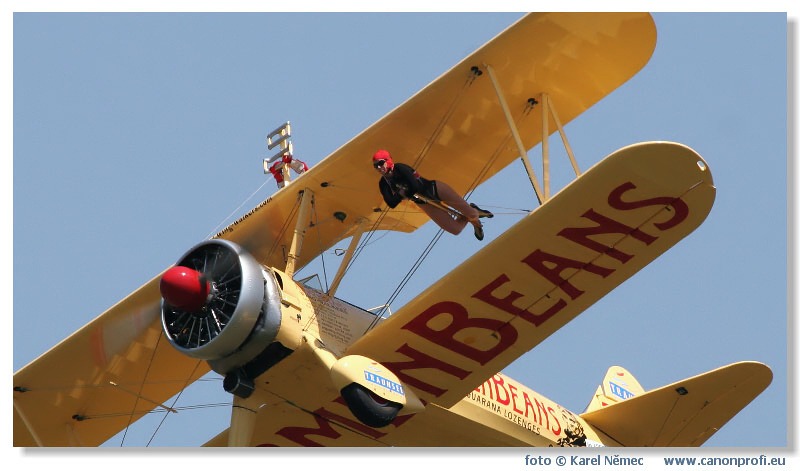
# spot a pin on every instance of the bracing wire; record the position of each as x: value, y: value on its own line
x: 424, y: 151
x: 369, y: 239
x: 178, y: 396
x: 141, y: 386
x: 319, y: 241
x: 417, y: 162
x: 429, y: 248
x: 217, y: 228
x: 132, y: 413
x: 366, y: 241
x: 443, y: 121
x: 406, y: 279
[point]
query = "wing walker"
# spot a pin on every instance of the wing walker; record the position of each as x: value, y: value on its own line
x: 305, y: 368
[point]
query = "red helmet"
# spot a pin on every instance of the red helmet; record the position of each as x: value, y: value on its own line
x: 382, y: 157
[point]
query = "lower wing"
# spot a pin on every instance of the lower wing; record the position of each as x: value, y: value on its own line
x: 544, y: 271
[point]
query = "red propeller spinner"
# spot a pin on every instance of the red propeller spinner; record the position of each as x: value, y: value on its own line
x: 185, y: 288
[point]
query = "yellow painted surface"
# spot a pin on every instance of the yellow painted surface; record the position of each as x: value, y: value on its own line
x: 542, y: 53
x: 74, y: 379
x: 544, y: 271
x: 449, y: 343
x: 685, y: 413
x: 575, y: 58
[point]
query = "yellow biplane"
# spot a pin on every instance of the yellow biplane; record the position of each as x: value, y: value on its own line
x: 305, y: 368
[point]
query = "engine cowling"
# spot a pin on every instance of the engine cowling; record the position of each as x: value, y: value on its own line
x: 220, y: 305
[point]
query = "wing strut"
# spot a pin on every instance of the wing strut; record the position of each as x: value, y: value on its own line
x: 547, y: 107
x: 359, y: 231
x: 523, y: 153
x: 27, y: 423
x: 243, y: 421
x: 299, y: 231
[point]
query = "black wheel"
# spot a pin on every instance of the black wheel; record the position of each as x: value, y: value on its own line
x: 368, y: 407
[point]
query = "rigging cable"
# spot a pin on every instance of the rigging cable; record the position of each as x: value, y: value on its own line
x: 216, y: 230
x: 427, y: 146
x: 141, y: 387
x: 405, y: 279
x: 315, y: 222
x: 429, y: 248
x: 178, y: 396
x: 474, y: 73
x: 368, y: 240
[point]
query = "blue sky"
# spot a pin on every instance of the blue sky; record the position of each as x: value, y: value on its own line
x: 138, y: 135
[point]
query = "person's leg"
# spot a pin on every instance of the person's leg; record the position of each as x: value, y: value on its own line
x: 443, y: 219
x: 449, y: 196
x: 455, y: 201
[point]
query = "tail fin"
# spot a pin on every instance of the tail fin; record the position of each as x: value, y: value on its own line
x: 617, y: 385
x: 686, y: 413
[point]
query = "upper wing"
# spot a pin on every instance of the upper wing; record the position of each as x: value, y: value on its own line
x: 685, y: 413
x: 576, y: 59
x: 545, y: 270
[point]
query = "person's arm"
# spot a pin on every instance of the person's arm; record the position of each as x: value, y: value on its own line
x: 391, y: 198
x: 407, y: 174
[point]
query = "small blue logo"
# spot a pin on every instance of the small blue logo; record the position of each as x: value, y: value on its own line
x: 383, y: 382
x: 619, y: 391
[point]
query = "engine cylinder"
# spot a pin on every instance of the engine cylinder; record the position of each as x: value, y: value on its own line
x: 241, y: 316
